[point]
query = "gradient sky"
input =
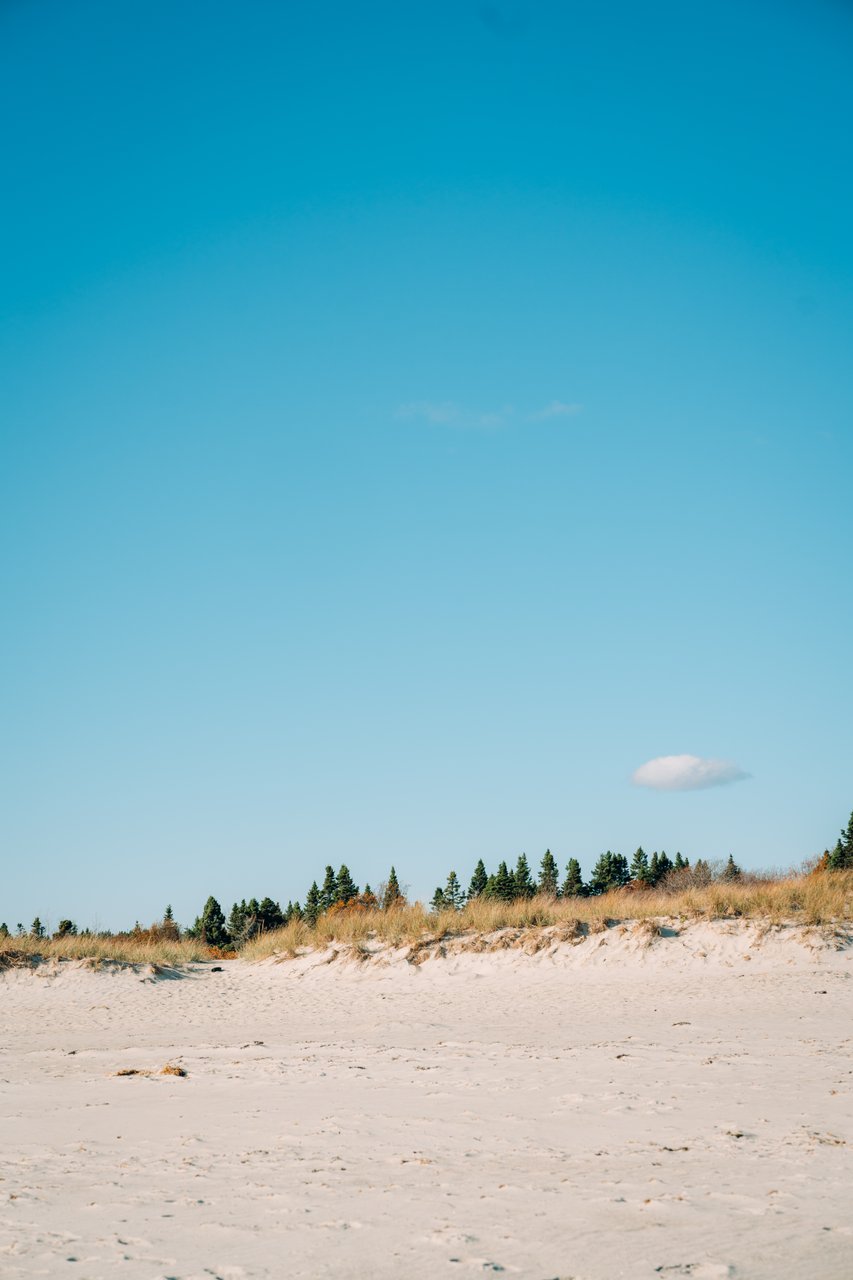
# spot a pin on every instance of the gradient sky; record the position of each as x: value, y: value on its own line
x: 415, y: 418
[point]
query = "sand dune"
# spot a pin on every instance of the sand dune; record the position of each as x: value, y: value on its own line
x: 627, y: 1105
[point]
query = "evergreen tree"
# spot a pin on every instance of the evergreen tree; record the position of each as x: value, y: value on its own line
x: 573, y: 885
x: 240, y: 926
x: 347, y: 888
x: 66, y: 929
x: 454, y: 895
x: 329, y: 891
x: 37, y: 928
x: 619, y: 870
x: 548, y: 875
x: 4, y: 930
x: 313, y: 905
x: 654, y: 868
x: 837, y: 860
x: 522, y: 881
x: 269, y: 915
x: 168, y: 918
x: 731, y: 871
x: 504, y: 884
x: 610, y: 872
x: 701, y: 871
x: 847, y: 844
x: 392, y: 896
x: 681, y: 864
x: 479, y: 881
x: 640, y: 866
x: 438, y: 903
x: 664, y: 866
x: 213, y: 930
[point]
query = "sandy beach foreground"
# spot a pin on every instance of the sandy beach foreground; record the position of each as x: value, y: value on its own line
x: 676, y: 1106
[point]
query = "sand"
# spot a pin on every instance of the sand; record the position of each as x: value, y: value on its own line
x: 627, y: 1106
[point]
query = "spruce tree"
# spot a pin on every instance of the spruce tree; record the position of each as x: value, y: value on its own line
x: 66, y: 929
x: 168, y: 918
x: 454, y: 894
x: 347, y: 888
x: 640, y: 866
x: 329, y: 891
x: 573, y: 885
x: 654, y: 868
x: 847, y: 845
x: 523, y: 886
x: 213, y: 930
x: 4, y: 930
x: 602, y: 874
x: 731, y: 871
x: 837, y: 860
x: 479, y: 880
x: 548, y: 875
x: 393, y: 896
x: 438, y: 903
x: 504, y: 884
x: 681, y: 864
x: 313, y: 905
x: 664, y: 866
x: 37, y: 928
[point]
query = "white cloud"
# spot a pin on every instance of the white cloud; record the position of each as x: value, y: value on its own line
x: 430, y: 411
x: 448, y: 413
x: 556, y: 409
x: 686, y: 773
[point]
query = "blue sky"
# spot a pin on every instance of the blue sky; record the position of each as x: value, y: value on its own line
x: 415, y: 419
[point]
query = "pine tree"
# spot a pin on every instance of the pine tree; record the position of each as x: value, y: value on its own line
x: 392, y: 896
x: 640, y: 866
x: 619, y: 870
x: 213, y: 930
x: 681, y: 864
x: 347, y: 888
x: 168, y: 918
x: 329, y: 891
x: 548, y: 875
x: 313, y: 905
x: 66, y: 929
x: 4, y: 930
x: 573, y: 885
x: 522, y: 881
x: 610, y: 872
x: 454, y: 895
x: 479, y: 881
x: 37, y: 928
x: 438, y: 903
x: 731, y: 871
x: 654, y: 869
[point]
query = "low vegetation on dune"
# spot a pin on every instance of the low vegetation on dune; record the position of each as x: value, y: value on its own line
x: 337, y: 911
x: 806, y: 899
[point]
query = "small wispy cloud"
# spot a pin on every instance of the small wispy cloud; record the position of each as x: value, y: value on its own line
x: 556, y: 409
x: 450, y: 414
x: 686, y: 773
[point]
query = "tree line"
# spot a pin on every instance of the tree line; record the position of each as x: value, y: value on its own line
x: 337, y: 891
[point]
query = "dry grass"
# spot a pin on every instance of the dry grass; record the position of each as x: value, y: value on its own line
x: 810, y: 899
x: 126, y: 949
x: 822, y: 898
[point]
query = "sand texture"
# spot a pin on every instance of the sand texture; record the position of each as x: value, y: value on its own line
x: 624, y: 1106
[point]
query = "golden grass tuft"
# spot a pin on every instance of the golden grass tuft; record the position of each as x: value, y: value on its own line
x: 127, y: 949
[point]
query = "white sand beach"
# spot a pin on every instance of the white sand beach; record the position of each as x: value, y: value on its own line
x: 634, y: 1107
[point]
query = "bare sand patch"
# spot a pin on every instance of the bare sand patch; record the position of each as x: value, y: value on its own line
x: 640, y: 1101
